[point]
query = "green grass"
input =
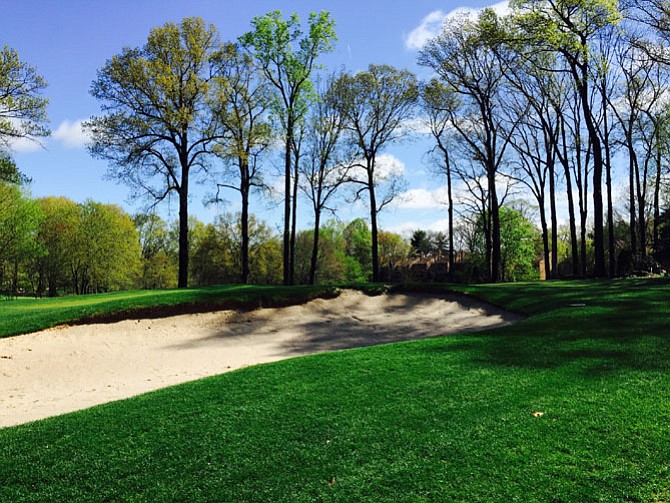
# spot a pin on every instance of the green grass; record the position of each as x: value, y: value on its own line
x: 446, y: 419
x: 24, y: 315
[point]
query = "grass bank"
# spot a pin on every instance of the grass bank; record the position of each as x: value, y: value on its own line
x: 24, y: 315
x: 571, y: 405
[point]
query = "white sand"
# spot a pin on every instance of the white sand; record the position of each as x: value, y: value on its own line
x: 70, y: 368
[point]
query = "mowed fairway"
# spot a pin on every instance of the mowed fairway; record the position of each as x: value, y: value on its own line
x: 572, y: 404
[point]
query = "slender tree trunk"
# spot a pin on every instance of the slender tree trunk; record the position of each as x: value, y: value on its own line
x: 610, y: 210
x: 287, y: 204
x: 657, y: 197
x: 631, y: 195
x: 580, y: 72
x: 183, y: 230
x: 244, y: 225
x: 315, y: 247
x: 451, y: 218
x: 554, y: 221
x: 495, y: 229
x: 373, y: 222
x: 294, y: 217
x: 641, y: 206
x: 545, y: 238
x: 571, y: 204
x: 598, y: 223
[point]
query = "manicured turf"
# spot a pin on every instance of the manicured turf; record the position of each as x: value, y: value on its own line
x: 571, y: 405
x: 25, y: 315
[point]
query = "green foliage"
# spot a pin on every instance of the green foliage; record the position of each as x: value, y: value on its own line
x: 108, y: 257
x: 158, y: 121
x: 393, y: 249
x: 358, y: 239
x: 19, y: 219
x: 518, y: 237
x: 447, y: 419
x: 288, y: 56
x: 217, y: 253
x: 159, y: 255
x: 421, y: 243
x: 23, y: 112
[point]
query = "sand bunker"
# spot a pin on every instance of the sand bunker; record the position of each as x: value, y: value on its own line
x: 71, y: 368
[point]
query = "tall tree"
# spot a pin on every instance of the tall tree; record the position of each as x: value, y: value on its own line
x: 375, y: 104
x: 438, y: 102
x: 465, y: 57
x: 242, y: 102
x: 288, y: 57
x: 158, y: 125
x: 326, y: 166
x: 568, y: 28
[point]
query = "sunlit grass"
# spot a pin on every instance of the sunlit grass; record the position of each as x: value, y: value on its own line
x: 570, y: 405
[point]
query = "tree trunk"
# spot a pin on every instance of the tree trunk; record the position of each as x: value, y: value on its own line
x: 244, y: 225
x: 183, y: 231
x: 571, y: 205
x: 610, y: 209
x: 451, y: 219
x: 373, y: 222
x: 495, y: 228
x: 294, y: 216
x: 657, y: 197
x: 631, y: 195
x: 580, y: 72
x: 287, y: 206
x: 598, y: 221
x: 545, y: 239
x: 315, y: 247
x: 554, y: 220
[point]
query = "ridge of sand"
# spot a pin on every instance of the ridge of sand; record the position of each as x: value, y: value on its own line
x: 75, y: 367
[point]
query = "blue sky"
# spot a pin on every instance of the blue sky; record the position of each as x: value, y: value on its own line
x: 68, y: 40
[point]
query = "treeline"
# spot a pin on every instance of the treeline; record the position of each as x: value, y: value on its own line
x: 52, y: 246
x: 553, y: 104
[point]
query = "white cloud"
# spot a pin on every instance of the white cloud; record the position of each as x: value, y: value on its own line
x: 431, y: 25
x: 71, y: 134
x: 418, y: 199
x: 25, y: 145
x: 386, y: 165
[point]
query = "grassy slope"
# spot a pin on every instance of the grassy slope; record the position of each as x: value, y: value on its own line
x: 26, y: 315
x: 443, y: 420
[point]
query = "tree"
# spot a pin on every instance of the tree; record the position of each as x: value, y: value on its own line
x: 158, y: 125
x: 108, y: 255
x: 422, y: 245
x: 568, y: 28
x: 465, y: 57
x: 242, y: 104
x: 438, y: 102
x: 517, y: 245
x: 375, y: 105
x: 327, y: 164
x: 217, y: 252
x: 56, y: 236
x: 358, y: 240
x: 23, y: 112
x: 19, y: 219
x: 288, y: 59
x: 159, y: 255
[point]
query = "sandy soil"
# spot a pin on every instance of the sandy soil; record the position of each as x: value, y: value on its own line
x: 70, y: 368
